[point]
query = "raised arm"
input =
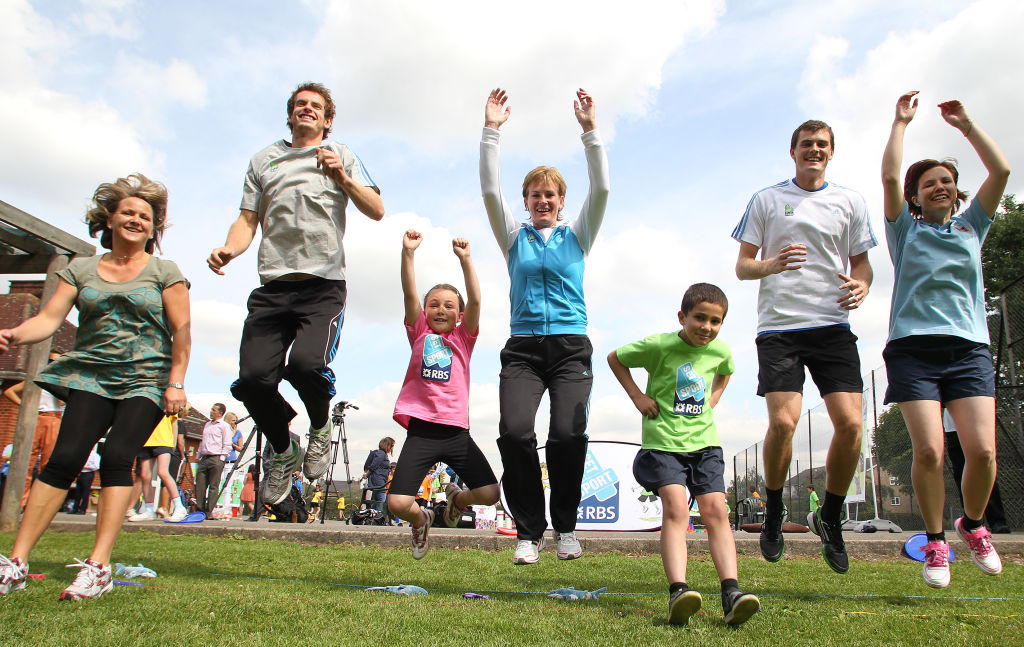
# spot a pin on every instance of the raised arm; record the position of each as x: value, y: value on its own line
x: 592, y: 213
x: 45, y: 323
x: 748, y: 267
x: 410, y: 241
x: 991, y: 190
x: 499, y: 214
x: 892, y: 158
x: 643, y: 403
x: 179, y: 318
x: 471, y: 315
x: 240, y: 236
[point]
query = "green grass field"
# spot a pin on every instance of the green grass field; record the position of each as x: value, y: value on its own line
x: 224, y: 591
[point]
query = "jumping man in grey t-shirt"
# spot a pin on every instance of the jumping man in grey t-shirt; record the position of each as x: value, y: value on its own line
x: 297, y: 192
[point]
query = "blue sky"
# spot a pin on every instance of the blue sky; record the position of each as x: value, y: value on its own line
x: 696, y: 102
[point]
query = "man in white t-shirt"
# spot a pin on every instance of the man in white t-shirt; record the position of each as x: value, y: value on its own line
x: 813, y: 268
x: 296, y: 192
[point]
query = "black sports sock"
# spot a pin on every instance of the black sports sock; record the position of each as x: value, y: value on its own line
x: 677, y: 586
x: 773, y: 498
x: 937, y: 536
x: 832, y: 508
x: 970, y: 525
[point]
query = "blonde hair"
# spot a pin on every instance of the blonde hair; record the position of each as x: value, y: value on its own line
x: 110, y: 194
x: 544, y: 174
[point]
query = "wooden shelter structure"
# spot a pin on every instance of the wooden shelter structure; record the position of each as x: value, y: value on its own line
x: 29, y: 245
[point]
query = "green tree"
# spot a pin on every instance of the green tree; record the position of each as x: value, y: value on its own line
x: 1001, y: 259
x: 892, y: 447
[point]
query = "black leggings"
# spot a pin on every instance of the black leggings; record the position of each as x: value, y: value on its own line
x: 87, y: 417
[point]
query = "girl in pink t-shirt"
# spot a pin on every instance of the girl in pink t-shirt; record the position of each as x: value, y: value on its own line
x: 433, y: 405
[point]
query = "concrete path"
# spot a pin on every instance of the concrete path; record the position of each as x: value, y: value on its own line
x: 859, y: 546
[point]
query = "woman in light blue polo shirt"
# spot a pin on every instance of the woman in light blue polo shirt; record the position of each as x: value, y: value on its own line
x: 937, y: 354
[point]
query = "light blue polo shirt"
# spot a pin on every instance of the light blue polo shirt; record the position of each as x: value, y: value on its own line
x: 938, y: 288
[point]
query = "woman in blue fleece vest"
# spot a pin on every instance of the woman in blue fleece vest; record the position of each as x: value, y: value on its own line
x: 549, y: 348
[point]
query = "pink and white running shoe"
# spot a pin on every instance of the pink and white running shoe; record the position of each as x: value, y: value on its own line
x: 984, y: 554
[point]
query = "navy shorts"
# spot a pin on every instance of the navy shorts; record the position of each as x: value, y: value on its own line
x: 830, y: 354
x: 934, y: 367
x: 701, y: 472
x: 428, y: 443
x: 153, y: 452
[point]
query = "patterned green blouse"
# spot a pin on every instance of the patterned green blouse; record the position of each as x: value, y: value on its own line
x: 123, y: 345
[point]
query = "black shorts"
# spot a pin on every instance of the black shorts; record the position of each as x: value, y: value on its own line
x: 153, y: 452
x: 700, y: 472
x: 933, y: 367
x: 830, y: 354
x: 428, y: 443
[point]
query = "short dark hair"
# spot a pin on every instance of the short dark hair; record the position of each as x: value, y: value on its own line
x: 812, y: 125
x: 450, y: 288
x: 703, y: 292
x: 320, y: 89
x: 913, y: 178
x: 219, y: 406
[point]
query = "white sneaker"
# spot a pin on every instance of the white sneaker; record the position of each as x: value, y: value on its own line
x: 177, y: 514
x: 528, y: 552
x: 13, y: 573
x: 93, y: 581
x: 985, y: 556
x: 568, y: 546
x: 936, y: 564
x: 452, y: 514
x: 145, y: 515
x: 420, y: 540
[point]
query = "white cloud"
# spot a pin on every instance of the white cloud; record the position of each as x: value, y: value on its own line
x: 432, y: 65
x: 216, y: 323
x: 58, y: 146
x: 107, y: 18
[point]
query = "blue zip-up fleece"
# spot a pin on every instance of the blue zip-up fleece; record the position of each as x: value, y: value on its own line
x: 546, y: 291
x: 547, y: 283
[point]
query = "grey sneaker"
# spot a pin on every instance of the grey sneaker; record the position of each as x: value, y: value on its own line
x: 315, y: 464
x: 682, y: 604
x: 568, y: 546
x: 278, y: 483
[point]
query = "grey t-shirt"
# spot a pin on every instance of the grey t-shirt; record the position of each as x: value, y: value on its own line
x: 301, y: 210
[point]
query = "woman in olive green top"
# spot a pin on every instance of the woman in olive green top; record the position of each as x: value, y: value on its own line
x: 125, y: 372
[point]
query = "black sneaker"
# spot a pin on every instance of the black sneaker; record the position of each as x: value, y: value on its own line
x: 739, y: 606
x: 682, y: 604
x: 833, y: 548
x: 773, y: 546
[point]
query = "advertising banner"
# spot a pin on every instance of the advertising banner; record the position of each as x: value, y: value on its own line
x: 611, y: 499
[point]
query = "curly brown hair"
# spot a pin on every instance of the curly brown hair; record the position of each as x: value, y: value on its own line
x: 110, y: 194
x: 320, y: 89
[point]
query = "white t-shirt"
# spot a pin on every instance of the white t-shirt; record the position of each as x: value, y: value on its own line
x: 833, y: 223
x: 48, y: 403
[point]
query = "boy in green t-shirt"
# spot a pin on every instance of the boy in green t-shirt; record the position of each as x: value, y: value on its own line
x: 681, y: 449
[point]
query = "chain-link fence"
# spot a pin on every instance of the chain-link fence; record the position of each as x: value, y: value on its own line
x: 888, y: 492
